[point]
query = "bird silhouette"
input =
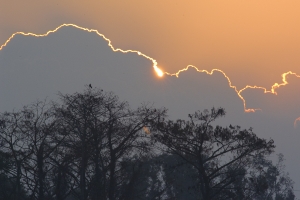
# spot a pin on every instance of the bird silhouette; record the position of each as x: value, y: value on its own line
x: 90, y: 85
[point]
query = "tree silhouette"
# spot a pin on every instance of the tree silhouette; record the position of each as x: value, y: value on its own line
x: 219, y: 155
x: 14, y: 144
x: 92, y: 146
x: 102, y: 133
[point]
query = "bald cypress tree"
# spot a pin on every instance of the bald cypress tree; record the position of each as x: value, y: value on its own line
x: 103, y: 132
x: 218, y: 154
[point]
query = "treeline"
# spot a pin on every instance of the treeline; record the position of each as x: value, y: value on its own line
x: 91, y: 145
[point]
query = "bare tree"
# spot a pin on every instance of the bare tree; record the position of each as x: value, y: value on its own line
x: 39, y: 127
x: 268, y: 181
x: 217, y: 154
x: 92, y: 146
x: 102, y: 132
x: 14, y: 144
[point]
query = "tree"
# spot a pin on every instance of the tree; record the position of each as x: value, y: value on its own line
x: 28, y: 138
x: 144, y: 177
x: 268, y: 181
x: 13, y: 145
x: 102, y: 133
x: 40, y: 128
x: 92, y: 146
x: 8, y: 181
x: 219, y: 155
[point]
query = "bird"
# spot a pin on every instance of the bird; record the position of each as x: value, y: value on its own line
x: 90, y: 85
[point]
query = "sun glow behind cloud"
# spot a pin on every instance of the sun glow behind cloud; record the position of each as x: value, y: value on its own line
x: 160, y: 73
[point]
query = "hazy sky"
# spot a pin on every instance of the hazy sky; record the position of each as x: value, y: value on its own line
x: 253, y: 42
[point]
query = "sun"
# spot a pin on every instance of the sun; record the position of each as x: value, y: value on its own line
x: 158, y: 71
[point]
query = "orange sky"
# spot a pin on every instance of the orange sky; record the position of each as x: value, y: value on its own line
x: 253, y: 42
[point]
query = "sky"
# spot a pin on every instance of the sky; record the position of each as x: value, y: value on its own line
x: 250, y: 43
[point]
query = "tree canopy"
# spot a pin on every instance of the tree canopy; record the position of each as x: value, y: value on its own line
x: 91, y: 145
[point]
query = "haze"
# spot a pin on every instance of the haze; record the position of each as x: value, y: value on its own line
x: 253, y: 42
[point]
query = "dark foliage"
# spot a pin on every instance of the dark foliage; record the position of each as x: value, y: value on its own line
x: 91, y: 145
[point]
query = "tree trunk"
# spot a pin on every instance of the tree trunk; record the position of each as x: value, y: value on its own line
x: 205, y: 187
x: 40, y: 163
x: 83, y: 166
x: 18, y: 181
x: 112, y: 184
